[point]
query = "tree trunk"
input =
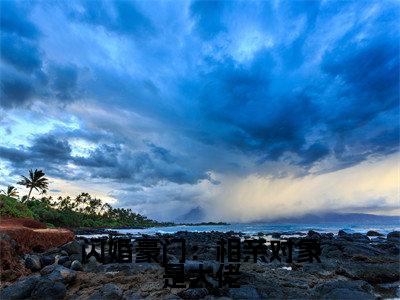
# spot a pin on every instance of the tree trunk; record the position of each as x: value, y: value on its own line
x: 29, y: 194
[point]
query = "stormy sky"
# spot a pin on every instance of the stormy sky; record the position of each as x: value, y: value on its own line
x: 249, y: 110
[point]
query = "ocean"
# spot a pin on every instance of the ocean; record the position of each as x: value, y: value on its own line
x: 253, y: 229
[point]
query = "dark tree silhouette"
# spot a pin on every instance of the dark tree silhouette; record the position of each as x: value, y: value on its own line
x: 35, y: 181
x: 10, y: 192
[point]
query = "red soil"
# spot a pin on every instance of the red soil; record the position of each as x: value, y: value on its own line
x: 21, y: 222
x: 26, y: 235
x: 11, y: 266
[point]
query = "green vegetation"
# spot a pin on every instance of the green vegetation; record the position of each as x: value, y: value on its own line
x: 81, y: 211
x: 13, y: 208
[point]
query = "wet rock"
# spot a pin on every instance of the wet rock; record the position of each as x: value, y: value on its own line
x: 92, y: 265
x: 347, y: 294
x: 244, y: 292
x: 331, y: 252
x: 169, y: 297
x: 193, y: 266
x: 132, y: 295
x: 21, y: 289
x: 348, y: 258
x: 59, y: 273
x: 374, y: 233
x: 73, y: 247
x: 327, y: 236
x: 111, y: 291
x: 389, y: 290
x: 394, y: 236
x: 349, y: 249
x: 47, y: 260
x: 193, y: 293
x: 313, y: 234
x: 76, y: 265
x: 371, y: 273
x: 48, y: 289
x: 276, y: 235
x: 62, y: 260
x: 358, y: 237
x: 343, y: 289
x: 67, y: 264
x: 52, y: 252
x: 33, y: 263
x: 345, y: 236
x: 391, y: 248
x: 131, y: 269
x: 73, y: 257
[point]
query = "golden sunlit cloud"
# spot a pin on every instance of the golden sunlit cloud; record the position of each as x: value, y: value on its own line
x: 372, y: 186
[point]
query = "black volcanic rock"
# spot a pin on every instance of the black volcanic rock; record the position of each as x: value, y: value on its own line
x: 394, y: 236
x: 352, y: 266
x: 374, y: 233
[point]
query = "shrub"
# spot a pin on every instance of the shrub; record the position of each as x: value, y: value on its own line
x: 13, y: 208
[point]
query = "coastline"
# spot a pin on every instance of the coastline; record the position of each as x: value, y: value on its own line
x: 353, y: 265
x: 115, y: 230
x: 252, y: 229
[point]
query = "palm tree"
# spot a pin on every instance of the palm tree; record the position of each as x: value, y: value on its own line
x: 11, y: 191
x: 82, y: 201
x: 35, y: 181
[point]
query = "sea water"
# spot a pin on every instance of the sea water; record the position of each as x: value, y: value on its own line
x: 253, y: 229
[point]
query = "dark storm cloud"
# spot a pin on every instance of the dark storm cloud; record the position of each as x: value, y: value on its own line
x: 27, y: 74
x: 14, y: 155
x: 208, y: 16
x: 370, y: 77
x: 294, y: 53
x: 19, y: 37
x: 129, y: 92
x: 298, y: 82
x: 46, y: 149
x: 50, y: 146
x: 116, y: 162
x: 14, y: 18
x: 314, y: 153
x: 139, y: 167
x: 103, y: 156
x: 238, y: 104
x: 20, y: 52
x: 47, y: 152
x: 256, y: 108
x: 162, y: 153
x: 64, y: 81
x: 122, y: 17
x: 16, y: 90
x: 56, y: 82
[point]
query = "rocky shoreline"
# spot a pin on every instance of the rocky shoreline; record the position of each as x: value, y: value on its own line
x: 352, y: 266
